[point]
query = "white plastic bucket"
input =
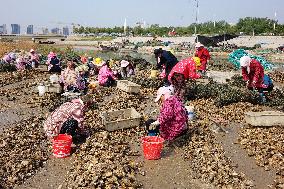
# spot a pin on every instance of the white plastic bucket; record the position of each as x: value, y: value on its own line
x: 41, y: 90
x: 190, y: 112
x: 54, y: 78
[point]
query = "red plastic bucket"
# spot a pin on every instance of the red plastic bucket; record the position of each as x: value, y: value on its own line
x: 61, y: 145
x: 152, y: 147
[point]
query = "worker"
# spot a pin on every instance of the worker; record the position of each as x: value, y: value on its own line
x: 127, y: 69
x: 84, y: 59
x: 106, y: 76
x: 82, y: 79
x: 267, y: 84
x: 204, y: 56
x: 9, y: 57
x: 167, y: 59
x: 53, y: 63
x: 21, y: 63
x: 34, y: 58
x: 253, y: 74
x: 68, y: 78
x: 172, y: 120
x: 183, y: 70
x: 68, y: 118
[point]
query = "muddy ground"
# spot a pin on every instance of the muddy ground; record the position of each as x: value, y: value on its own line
x: 171, y: 171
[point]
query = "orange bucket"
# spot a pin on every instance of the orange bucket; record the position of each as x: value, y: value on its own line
x: 61, y: 145
x: 152, y: 147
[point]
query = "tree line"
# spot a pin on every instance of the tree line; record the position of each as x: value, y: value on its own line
x: 246, y: 26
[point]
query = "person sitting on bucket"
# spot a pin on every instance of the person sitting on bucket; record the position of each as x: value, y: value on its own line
x: 106, y: 76
x: 183, y: 70
x: 82, y: 80
x: 34, y: 58
x: 127, y: 69
x: 68, y: 118
x: 172, y: 120
x: 253, y: 74
x: 21, y: 63
x: 68, y: 76
x: 53, y: 63
x: 202, y: 53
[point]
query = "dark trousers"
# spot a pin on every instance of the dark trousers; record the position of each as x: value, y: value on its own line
x: 110, y: 81
x: 55, y: 69
x: 69, y: 127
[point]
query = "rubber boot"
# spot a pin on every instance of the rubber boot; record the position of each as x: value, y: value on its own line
x: 262, y: 98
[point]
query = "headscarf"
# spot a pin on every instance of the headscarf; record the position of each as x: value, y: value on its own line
x: 245, y: 62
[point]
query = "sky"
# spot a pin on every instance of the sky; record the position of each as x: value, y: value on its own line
x: 109, y: 13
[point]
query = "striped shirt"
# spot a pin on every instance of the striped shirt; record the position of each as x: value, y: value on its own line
x: 66, y: 111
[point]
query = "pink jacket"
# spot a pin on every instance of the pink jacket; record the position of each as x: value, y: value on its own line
x: 172, y: 118
x: 66, y: 111
x: 186, y: 67
x: 104, y: 73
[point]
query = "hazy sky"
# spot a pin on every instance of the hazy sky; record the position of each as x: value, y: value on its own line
x: 112, y: 12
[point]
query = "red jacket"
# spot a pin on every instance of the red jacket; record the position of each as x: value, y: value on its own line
x: 203, y: 54
x: 186, y: 67
x: 256, y: 74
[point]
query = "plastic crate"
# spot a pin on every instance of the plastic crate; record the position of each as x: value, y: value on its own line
x: 54, y: 88
x: 128, y: 86
x: 120, y: 119
x: 265, y: 118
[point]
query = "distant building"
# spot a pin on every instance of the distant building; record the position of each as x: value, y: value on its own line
x: 45, y: 31
x: 16, y: 29
x: 30, y: 29
x: 55, y: 31
x: 66, y: 31
x: 3, y: 29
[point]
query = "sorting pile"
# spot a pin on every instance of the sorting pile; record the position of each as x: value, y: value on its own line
x: 4, y: 67
x: 105, y: 159
x: 13, y: 77
x: 208, y: 161
x: 206, y: 109
x: 235, y: 57
x: 221, y: 65
x: 277, y: 76
x: 223, y: 94
x: 24, y: 148
x: 266, y: 145
x: 104, y: 162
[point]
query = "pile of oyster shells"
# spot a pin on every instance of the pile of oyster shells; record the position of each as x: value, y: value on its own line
x: 24, y: 148
x: 266, y: 145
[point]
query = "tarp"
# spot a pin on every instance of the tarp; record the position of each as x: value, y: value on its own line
x: 214, y: 40
x: 235, y: 57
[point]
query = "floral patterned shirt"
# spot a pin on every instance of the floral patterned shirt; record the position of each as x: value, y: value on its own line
x: 66, y: 111
x: 172, y: 118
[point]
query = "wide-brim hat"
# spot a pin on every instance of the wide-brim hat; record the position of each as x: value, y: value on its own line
x: 164, y: 91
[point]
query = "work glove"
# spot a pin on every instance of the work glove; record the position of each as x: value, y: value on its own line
x: 154, y: 125
x: 247, y: 83
x: 253, y: 83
